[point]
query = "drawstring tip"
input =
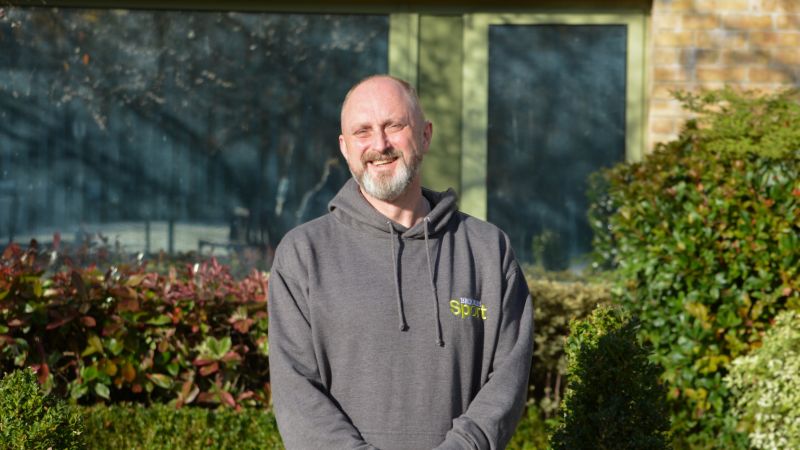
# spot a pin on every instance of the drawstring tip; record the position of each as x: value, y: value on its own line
x: 440, y: 343
x: 403, y: 327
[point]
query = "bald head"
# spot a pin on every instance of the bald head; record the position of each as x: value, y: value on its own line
x: 367, y: 86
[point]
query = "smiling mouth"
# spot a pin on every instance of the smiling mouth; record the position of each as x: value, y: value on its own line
x: 382, y: 162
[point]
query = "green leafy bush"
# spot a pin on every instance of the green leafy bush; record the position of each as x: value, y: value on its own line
x: 766, y: 385
x: 613, y: 398
x: 132, y: 426
x: 30, y: 419
x: 128, y: 334
x: 704, y: 233
x: 737, y: 124
x: 556, y: 303
x: 531, y: 433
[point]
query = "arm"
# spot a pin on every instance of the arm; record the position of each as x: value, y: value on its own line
x: 308, y: 417
x: 493, y: 414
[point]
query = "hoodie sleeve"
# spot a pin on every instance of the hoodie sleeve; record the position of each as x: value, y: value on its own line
x: 307, y: 416
x: 492, y: 416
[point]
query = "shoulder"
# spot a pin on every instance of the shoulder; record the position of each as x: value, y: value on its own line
x: 481, y: 231
x: 309, y: 232
x: 486, y: 239
x: 296, y: 248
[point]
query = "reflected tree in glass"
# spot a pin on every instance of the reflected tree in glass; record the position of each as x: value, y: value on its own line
x: 175, y: 128
x: 556, y: 114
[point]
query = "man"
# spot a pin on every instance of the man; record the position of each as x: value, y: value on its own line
x: 396, y: 322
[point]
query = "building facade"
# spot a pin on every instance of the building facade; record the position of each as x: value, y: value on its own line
x: 211, y: 128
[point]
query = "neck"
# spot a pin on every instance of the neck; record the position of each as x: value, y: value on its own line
x: 408, y: 209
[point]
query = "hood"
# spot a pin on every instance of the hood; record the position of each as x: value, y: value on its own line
x: 351, y: 208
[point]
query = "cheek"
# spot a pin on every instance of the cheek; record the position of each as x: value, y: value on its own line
x: 403, y: 141
x: 353, y: 151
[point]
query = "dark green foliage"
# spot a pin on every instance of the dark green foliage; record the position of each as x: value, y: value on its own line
x: 704, y: 234
x: 29, y: 419
x: 556, y: 302
x: 195, y: 335
x: 165, y: 427
x: 531, y: 432
x: 613, y: 398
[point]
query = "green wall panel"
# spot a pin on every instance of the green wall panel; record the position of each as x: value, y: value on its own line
x: 440, y: 63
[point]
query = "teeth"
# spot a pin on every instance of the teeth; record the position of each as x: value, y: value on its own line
x: 382, y: 162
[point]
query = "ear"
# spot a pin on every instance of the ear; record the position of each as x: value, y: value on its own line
x: 343, y: 146
x: 427, y: 135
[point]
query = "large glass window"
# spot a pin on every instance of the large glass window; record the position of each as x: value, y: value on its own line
x: 548, y: 99
x: 176, y: 131
x: 556, y: 114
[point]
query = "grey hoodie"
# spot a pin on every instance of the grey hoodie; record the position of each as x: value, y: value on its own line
x: 394, y: 338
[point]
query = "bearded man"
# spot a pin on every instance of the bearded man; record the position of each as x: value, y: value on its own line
x: 396, y: 321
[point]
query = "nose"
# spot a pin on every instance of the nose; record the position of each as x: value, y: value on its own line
x: 380, y: 141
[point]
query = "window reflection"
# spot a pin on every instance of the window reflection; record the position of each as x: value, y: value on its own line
x: 556, y: 114
x: 178, y: 131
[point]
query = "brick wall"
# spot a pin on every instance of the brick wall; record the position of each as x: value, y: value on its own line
x: 747, y: 44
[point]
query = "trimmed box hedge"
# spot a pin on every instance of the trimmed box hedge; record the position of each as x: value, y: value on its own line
x: 614, y: 398
x: 31, y: 419
x: 132, y: 426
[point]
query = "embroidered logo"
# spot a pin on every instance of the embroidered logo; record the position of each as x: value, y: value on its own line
x: 468, y: 307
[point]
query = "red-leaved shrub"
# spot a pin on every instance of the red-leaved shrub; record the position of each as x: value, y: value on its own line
x: 195, y: 335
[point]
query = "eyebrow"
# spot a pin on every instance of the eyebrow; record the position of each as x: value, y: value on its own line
x: 360, y: 125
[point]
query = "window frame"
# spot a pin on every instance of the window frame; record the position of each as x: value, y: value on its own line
x: 475, y: 113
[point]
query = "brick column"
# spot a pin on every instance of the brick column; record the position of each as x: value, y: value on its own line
x: 696, y: 44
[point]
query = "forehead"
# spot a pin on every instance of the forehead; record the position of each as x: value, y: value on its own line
x: 376, y: 100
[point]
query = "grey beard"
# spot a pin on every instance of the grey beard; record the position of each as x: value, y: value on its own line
x: 388, y: 189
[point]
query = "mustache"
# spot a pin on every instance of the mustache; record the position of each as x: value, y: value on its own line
x: 388, y: 155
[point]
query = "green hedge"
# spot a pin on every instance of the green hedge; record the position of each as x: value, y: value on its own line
x: 559, y: 297
x: 614, y: 398
x: 157, y: 427
x: 557, y: 300
x: 131, y: 426
x: 704, y: 233
x: 30, y: 419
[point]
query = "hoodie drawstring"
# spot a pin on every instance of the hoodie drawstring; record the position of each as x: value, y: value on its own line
x: 439, y: 340
x: 401, y: 315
